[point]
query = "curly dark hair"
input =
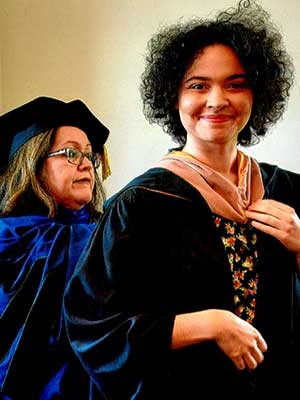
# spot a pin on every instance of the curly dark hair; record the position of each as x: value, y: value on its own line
x: 258, y: 43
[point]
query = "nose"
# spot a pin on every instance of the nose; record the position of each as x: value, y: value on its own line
x: 216, y: 98
x: 85, y: 163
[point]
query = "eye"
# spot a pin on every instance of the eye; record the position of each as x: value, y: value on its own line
x: 90, y: 157
x: 238, y: 85
x: 198, y: 86
x: 95, y: 159
x: 72, y: 153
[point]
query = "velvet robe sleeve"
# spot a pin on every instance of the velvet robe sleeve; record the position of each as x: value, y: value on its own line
x: 37, y: 257
x: 115, y: 320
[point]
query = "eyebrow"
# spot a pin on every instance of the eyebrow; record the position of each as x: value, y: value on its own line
x: 207, y: 79
x: 74, y: 143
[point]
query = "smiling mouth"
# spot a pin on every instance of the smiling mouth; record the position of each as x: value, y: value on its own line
x: 216, y: 118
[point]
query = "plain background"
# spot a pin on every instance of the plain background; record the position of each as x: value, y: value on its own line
x: 94, y: 50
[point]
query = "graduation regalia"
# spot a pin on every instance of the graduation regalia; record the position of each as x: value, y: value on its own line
x: 156, y: 253
x: 37, y: 257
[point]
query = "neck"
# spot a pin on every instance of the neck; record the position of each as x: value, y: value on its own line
x: 223, y: 161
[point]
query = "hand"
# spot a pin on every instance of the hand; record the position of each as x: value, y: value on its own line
x: 278, y: 220
x: 240, y: 341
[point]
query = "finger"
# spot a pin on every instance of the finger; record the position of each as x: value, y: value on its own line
x: 273, y: 231
x: 257, y: 354
x: 239, y: 362
x: 267, y: 219
x: 250, y: 361
x: 270, y: 214
x: 267, y: 224
x: 282, y: 221
x: 280, y: 230
x: 261, y: 344
x: 260, y: 205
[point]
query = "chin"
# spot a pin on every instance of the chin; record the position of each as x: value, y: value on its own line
x: 84, y: 203
x: 76, y: 206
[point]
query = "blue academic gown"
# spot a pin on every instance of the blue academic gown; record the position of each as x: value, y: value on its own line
x: 37, y: 257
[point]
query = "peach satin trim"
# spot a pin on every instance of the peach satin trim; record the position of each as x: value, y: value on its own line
x: 222, y: 196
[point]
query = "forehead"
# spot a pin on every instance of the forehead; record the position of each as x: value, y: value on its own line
x: 66, y: 134
x: 217, y: 57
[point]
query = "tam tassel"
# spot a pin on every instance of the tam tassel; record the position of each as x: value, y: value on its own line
x: 106, y: 171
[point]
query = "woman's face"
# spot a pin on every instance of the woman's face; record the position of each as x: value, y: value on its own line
x: 214, y: 100
x: 70, y: 185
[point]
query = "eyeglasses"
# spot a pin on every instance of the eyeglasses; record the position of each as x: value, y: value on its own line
x: 75, y: 156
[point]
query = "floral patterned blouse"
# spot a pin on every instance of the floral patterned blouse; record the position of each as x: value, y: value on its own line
x: 240, y: 245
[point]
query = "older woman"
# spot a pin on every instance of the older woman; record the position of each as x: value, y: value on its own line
x: 51, y: 196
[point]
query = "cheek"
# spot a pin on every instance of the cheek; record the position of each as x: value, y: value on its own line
x: 55, y: 178
x: 248, y: 104
x: 188, y: 106
x: 58, y: 189
x: 244, y: 113
x: 93, y: 177
x: 242, y: 105
x: 246, y: 109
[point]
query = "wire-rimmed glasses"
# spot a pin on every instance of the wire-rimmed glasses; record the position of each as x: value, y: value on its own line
x: 75, y: 156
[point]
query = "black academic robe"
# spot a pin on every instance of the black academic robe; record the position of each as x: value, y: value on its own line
x: 156, y: 253
x: 37, y: 257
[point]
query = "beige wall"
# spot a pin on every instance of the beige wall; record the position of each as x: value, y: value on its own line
x: 93, y: 50
x: 1, y: 79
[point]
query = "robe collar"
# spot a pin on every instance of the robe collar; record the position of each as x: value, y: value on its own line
x: 222, y: 196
